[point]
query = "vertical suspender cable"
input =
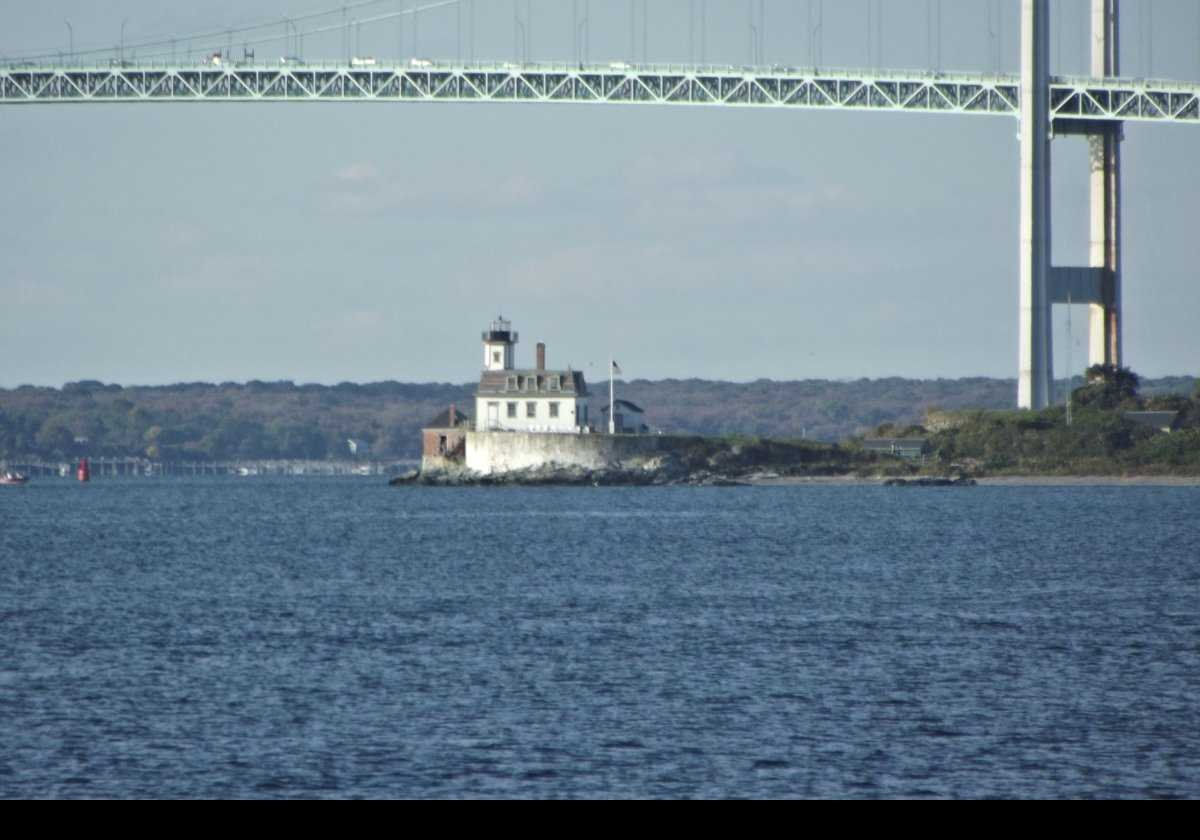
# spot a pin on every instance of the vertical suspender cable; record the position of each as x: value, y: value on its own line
x: 939, y: 35
x: 1150, y: 38
x: 1085, y: 63
x: 691, y: 32
x: 750, y: 30
x: 632, y: 31
x: 762, y: 32
x: 929, y: 33
x: 870, y: 33
x: 645, y: 34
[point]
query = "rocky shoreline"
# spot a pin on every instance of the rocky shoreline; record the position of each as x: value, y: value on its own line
x: 930, y: 481
x: 618, y: 477
x: 659, y: 476
x: 571, y: 476
x: 714, y: 462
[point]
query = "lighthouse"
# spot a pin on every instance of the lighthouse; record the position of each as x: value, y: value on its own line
x: 499, y: 345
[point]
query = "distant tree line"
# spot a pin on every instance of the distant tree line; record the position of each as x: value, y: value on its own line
x: 270, y: 420
x: 230, y: 421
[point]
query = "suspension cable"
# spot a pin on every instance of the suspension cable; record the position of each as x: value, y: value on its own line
x: 228, y: 32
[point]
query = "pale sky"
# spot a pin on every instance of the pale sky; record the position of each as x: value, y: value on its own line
x: 322, y: 242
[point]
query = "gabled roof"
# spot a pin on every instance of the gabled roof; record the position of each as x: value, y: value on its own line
x: 496, y: 383
x: 442, y: 421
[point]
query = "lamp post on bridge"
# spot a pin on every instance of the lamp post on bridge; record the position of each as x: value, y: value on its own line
x: 121, y: 54
x: 70, y: 41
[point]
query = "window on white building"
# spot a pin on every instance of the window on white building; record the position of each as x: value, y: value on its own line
x: 553, y: 409
x: 531, y: 409
x: 512, y: 410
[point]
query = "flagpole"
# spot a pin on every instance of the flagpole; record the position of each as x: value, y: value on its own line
x: 612, y: 418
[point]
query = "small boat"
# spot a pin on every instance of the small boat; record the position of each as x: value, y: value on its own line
x: 12, y: 479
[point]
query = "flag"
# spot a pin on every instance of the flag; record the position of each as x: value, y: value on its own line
x: 616, y: 367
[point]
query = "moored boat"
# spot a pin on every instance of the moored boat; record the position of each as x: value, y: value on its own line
x: 10, y: 479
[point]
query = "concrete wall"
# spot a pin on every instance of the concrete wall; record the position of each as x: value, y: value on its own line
x: 440, y: 463
x: 497, y: 452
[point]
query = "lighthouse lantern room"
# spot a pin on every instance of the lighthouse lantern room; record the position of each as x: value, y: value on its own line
x: 499, y: 344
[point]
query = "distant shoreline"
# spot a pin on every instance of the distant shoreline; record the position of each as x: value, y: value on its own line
x: 997, y: 481
x: 1092, y: 480
x: 583, y: 478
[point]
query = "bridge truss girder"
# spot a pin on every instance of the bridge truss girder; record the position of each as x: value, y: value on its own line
x: 1095, y: 100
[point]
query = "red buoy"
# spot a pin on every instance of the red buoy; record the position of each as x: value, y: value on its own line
x: 84, y: 473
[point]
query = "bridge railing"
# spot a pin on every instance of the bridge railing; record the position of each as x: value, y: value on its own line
x: 797, y: 70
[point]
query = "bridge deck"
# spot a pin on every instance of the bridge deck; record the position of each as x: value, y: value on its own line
x: 1071, y: 99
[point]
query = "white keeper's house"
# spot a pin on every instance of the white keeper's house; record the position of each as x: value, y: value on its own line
x: 533, y: 399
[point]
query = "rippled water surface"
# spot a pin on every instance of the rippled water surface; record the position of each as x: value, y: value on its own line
x: 337, y: 637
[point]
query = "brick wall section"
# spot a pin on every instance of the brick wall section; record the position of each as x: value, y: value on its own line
x: 455, y: 445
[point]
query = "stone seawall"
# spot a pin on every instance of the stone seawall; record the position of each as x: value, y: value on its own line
x: 490, y: 453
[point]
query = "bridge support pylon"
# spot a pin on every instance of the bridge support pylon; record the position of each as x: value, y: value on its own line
x: 1104, y: 338
x: 1034, y: 374
x: 1042, y: 283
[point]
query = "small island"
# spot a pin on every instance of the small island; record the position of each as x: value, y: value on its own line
x: 666, y: 431
x: 1105, y: 430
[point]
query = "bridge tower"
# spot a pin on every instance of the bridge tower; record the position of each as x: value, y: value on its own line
x: 1104, y: 140
x: 1043, y: 284
x: 1034, y: 373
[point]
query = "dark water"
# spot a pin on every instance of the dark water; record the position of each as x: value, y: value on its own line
x: 336, y: 637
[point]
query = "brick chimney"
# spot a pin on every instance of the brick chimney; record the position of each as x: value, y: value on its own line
x: 541, y: 356
x: 453, y: 415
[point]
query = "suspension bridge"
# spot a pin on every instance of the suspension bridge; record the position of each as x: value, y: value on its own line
x: 1094, y: 106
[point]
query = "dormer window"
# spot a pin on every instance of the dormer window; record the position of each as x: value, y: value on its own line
x: 555, y: 383
x: 512, y: 383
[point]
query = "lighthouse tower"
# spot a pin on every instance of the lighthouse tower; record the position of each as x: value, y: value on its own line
x: 499, y: 343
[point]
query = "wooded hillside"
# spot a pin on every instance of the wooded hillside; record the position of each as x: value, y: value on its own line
x: 258, y: 420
